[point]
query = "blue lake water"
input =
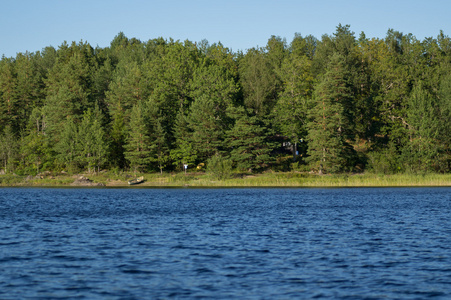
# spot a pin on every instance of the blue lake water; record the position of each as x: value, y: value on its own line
x: 353, y: 243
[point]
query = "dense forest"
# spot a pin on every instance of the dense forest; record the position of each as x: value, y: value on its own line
x: 337, y: 104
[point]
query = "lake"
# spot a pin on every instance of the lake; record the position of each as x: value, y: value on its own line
x: 256, y: 243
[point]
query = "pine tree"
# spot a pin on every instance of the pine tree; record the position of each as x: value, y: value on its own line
x: 444, y: 115
x: 8, y: 99
x: 68, y: 146
x: 214, y: 82
x: 330, y: 126
x: 92, y: 141
x: 68, y: 88
x: 29, y: 87
x: 118, y: 136
x: 126, y: 89
x: 100, y: 148
x: 161, y: 149
x: 444, y: 108
x: 290, y: 112
x: 138, y: 147
x: 168, y: 76
x: 8, y: 149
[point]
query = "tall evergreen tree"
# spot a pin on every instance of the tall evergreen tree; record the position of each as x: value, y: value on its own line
x: 138, y: 148
x: 330, y: 126
x: 206, y: 122
x: 68, y: 146
x: 35, y: 150
x: 290, y: 112
x: 168, y: 75
x: 68, y: 87
x: 215, y: 82
x: 8, y: 97
x: 92, y: 138
x: 249, y: 141
x: 127, y: 88
x: 29, y: 87
x: 444, y: 115
x: 183, y: 151
x: 159, y: 154
x: 9, y: 147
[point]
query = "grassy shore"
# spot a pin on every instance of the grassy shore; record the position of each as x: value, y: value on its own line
x: 269, y: 179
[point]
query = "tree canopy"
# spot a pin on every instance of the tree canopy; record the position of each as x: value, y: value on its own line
x: 340, y: 103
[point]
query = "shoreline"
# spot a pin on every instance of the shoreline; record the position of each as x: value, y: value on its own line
x: 202, y: 180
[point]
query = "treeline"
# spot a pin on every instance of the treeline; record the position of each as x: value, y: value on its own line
x: 337, y: 104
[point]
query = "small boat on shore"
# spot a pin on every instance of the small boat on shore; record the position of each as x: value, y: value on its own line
x: 136, y: 180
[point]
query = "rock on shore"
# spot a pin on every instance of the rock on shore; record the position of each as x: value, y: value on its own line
x: 84, y: 181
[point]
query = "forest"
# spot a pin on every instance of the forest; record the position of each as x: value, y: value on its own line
x: 337, y: 104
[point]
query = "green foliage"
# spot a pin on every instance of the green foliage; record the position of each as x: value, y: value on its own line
x: 290, y: 112
x: 444, y: 112
x: 68, y: 147
x: 83, y: 145
x: 215, y: 82
x: 10, y: 180
x: 138, y: 149
x: 423, y: 150
x: 205, y: 125
x: 94, y: 146
x: 36, y: 153
x: 183, y: 154
x: 331, y: 127
x: 249, y: 141
x: 9, y: 147
x: 126, y: 89
x: 157, y: 105
x: 258, y: 81
x: 219, y: 168
x: 384, y: 161
x: 8, y: 100
x: 158, y: 137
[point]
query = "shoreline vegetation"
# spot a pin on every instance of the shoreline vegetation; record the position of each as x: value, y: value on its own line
x: 199, y: 180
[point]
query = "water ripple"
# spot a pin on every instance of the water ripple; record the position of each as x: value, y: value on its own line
x: 225, y: 243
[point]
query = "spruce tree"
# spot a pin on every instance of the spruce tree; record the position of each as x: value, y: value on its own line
x: 158, y: 137
x: 249, y: 141
x: 138, y: 147
x: 206, y: 124
x: 183, y: 151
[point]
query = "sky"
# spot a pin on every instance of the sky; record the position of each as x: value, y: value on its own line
x: 31, y: 25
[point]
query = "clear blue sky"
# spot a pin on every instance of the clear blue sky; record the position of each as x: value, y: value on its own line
x: 30, y: 25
